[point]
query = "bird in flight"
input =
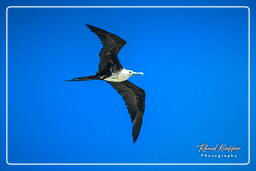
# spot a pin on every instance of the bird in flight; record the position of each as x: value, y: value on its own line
x: 111, y: 71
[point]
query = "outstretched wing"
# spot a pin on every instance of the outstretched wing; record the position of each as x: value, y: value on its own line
x: 108, y: 55
x: 134, y: 98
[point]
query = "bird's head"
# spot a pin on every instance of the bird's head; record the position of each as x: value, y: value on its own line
x: 131, y: 73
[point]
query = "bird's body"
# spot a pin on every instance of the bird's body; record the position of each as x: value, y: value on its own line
x: 111, y: 71
x: 118, y: 76
x: 121, y: 76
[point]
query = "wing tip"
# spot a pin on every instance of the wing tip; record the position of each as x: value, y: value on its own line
x: 91, y: 27
x: 96, y: 29
x: 134, y: 140
x: 136, y: 127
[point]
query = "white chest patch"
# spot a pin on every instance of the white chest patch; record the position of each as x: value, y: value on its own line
x: 119, y: 76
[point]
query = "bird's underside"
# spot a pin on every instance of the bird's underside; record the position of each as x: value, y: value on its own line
x: 111, y: 70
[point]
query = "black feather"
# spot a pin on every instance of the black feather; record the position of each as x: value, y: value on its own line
x: 134, y: 98
x: 112, y: 44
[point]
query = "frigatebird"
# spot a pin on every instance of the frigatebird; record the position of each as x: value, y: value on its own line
x: 111, y: 71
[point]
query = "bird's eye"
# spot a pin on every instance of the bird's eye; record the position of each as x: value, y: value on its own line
x: 130, y: 72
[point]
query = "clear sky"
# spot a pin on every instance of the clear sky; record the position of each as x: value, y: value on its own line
x: 195, y: 63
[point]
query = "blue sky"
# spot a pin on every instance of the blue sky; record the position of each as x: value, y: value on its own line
x: 195, y: 63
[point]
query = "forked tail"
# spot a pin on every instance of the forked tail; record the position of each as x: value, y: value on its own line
x: 92, y: 77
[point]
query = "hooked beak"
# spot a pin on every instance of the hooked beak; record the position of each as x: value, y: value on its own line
x: 138, y: 73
